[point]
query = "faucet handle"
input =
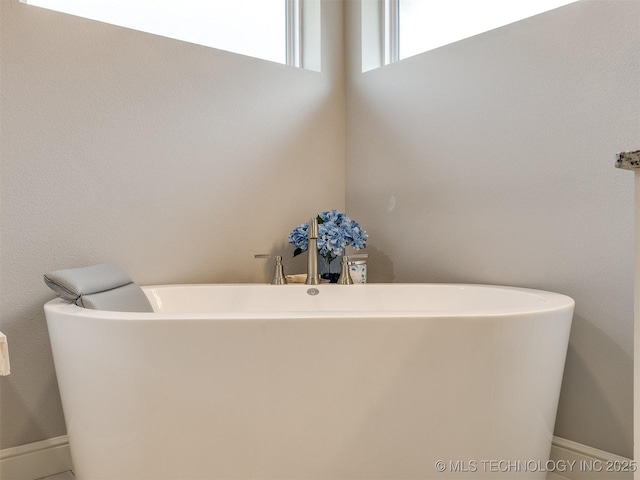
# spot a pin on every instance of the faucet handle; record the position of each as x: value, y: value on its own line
x: 277, y: 258
x: 278, y: 274
x: 345, y: 275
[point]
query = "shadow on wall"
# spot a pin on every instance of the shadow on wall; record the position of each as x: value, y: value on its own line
x: 600, y: 380
x: 379, y: 266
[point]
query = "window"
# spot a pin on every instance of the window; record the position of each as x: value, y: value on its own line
x: 408, y: 27
x: 427, y: 24
x: 267, y: 29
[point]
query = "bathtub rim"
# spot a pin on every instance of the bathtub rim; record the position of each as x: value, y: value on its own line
x: 553, y: 302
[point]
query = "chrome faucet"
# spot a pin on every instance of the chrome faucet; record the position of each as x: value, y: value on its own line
x: 313, y: 278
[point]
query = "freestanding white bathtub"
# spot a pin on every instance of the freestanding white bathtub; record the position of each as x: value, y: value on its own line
x: 376, y: 381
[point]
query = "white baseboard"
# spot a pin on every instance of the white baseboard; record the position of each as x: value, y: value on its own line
x: 35, y: 460
x: 573, y: 461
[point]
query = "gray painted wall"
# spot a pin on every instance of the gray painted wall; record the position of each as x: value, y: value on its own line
x: 491, y: 161
x: 174, y: 161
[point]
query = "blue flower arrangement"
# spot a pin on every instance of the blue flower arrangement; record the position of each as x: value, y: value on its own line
x: 336, y: 231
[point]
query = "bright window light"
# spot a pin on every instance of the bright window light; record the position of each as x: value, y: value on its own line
x: 427, y: 24
x: 250, y: 27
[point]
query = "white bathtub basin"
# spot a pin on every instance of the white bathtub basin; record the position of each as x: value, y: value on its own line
x: 354, y: 382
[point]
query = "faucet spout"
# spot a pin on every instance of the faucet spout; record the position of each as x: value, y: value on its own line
x: 313, y: 278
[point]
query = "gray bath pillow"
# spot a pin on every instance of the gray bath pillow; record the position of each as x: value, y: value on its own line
x: 99, y: 287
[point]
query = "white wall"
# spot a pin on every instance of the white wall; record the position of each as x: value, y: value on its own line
x: 176, y: 162
x: 491, y: 161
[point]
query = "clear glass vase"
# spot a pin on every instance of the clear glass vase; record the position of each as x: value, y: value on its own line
x: 329, y: 268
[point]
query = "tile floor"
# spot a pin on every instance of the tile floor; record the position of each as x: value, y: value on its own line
x: 69, y: 476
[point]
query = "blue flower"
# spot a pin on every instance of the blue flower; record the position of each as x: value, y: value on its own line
x: 299, y: 237
x: 336, y: 231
